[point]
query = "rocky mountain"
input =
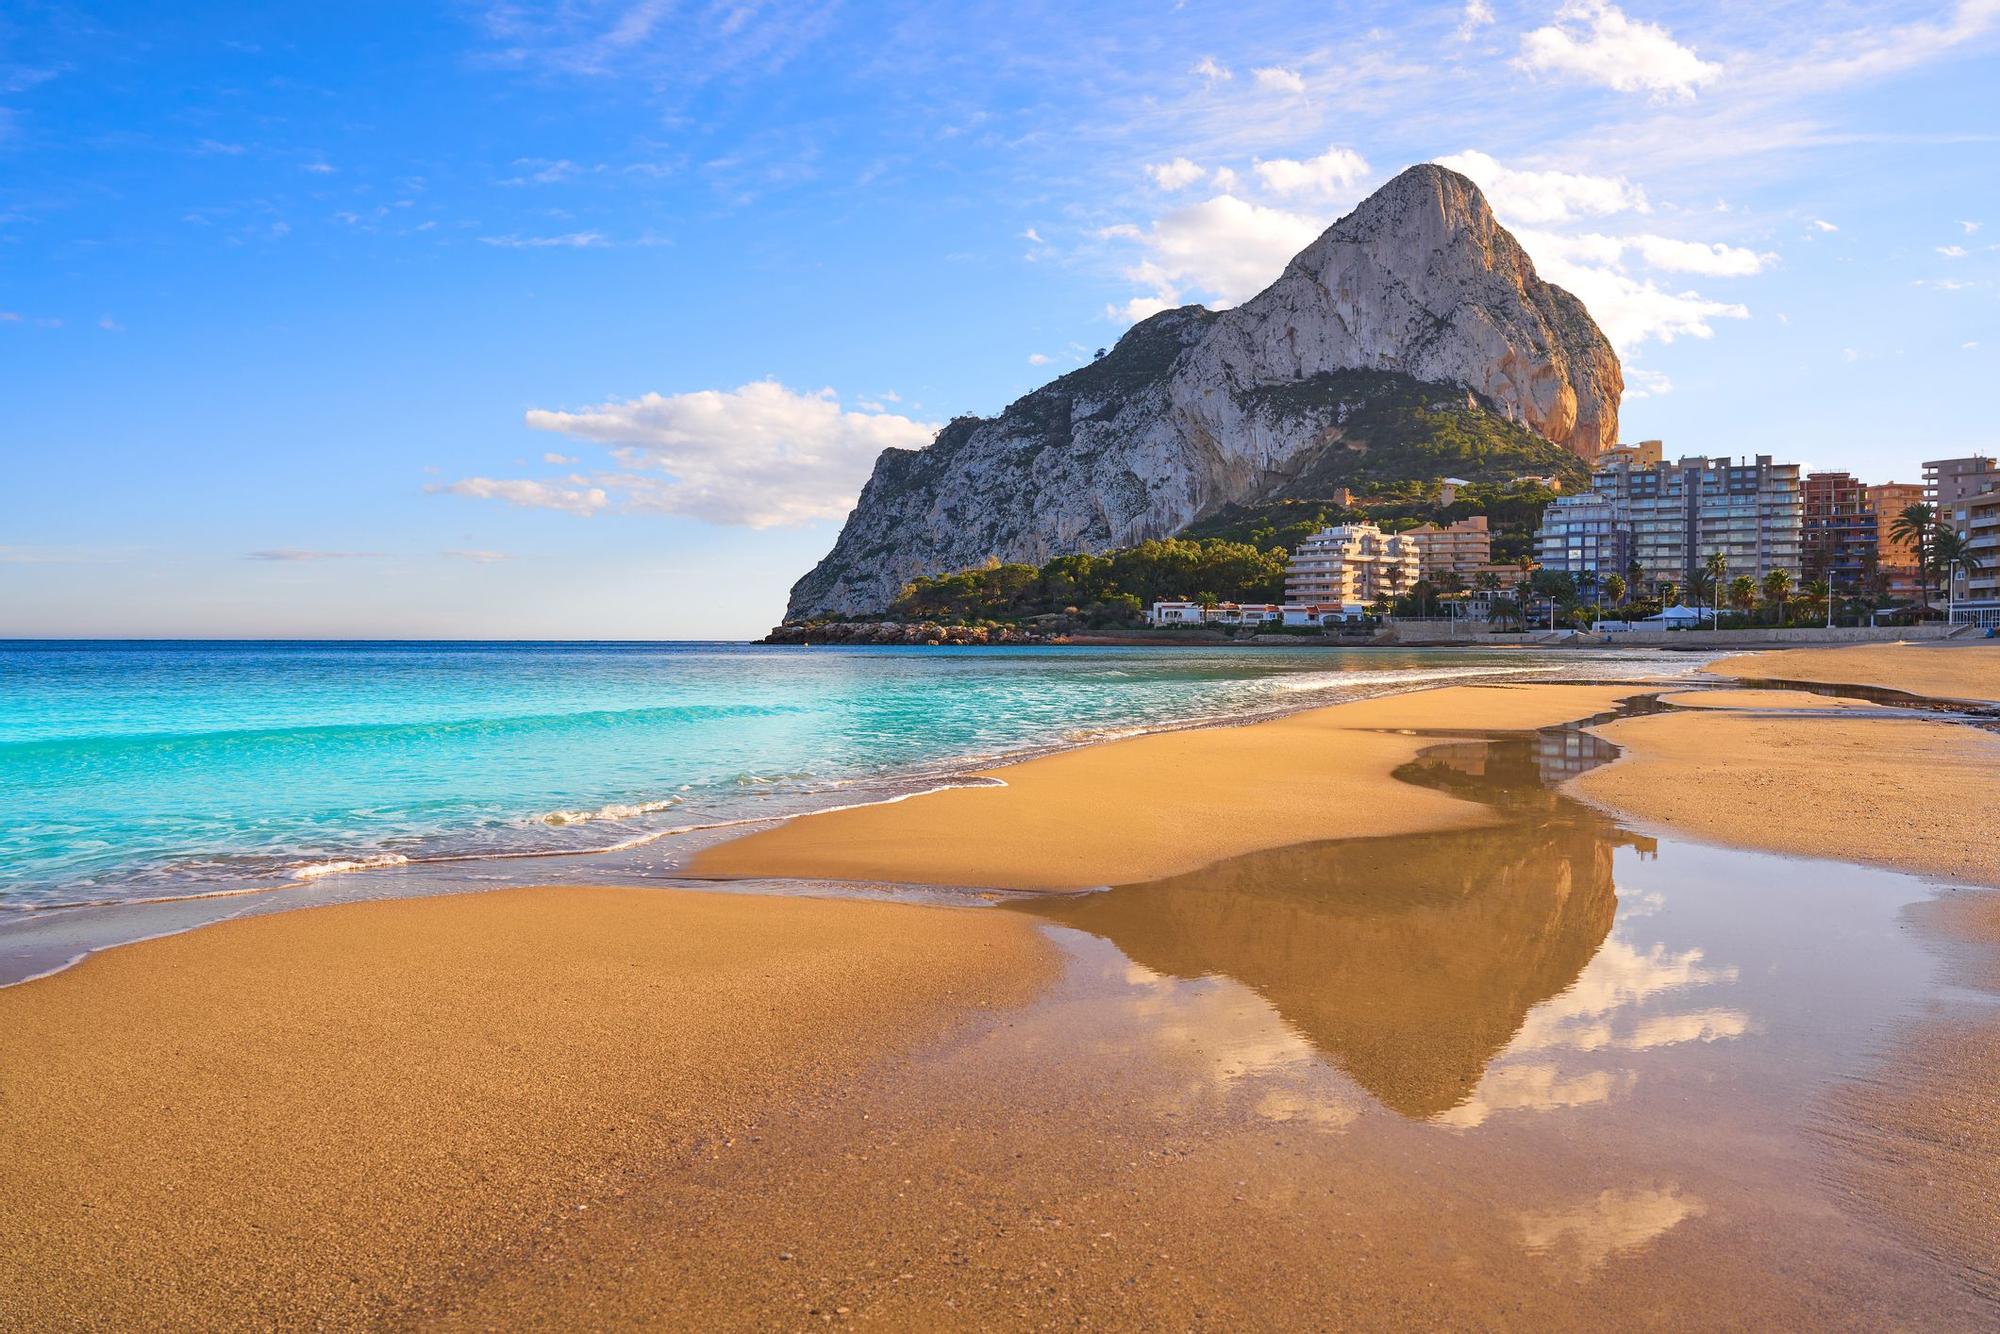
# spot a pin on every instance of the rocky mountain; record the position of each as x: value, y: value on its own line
x: 1195, y: 410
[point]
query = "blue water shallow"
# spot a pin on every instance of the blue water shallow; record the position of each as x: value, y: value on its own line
x: 137, y: 769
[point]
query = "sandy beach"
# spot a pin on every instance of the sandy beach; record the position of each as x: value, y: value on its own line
x: 624, y: 1107
x: 334, y: 1116
x: 1165, y: 803
x: 1968, y: 671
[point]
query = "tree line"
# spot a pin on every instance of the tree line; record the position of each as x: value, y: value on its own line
x: 1114, y: 587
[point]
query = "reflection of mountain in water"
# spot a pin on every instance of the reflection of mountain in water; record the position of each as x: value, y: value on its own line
x: 1409, y: 961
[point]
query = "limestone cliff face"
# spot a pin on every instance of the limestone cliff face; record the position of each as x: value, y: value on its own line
x: 1177, y: 421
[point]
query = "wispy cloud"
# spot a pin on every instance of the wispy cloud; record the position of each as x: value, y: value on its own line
x: 478, y: 557
x: 303, y: 554
x: 564, y: 241
x: 1278, y: 79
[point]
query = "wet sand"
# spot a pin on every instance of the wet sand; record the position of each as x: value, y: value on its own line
x: 1963, y: 671
x: 1161, y: 804
x: 1908, y: 793
x: 333, y: 1116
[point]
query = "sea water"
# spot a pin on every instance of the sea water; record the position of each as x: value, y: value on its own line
x: 148, y: 769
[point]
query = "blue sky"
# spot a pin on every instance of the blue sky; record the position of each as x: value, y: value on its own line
x: 586, y: 319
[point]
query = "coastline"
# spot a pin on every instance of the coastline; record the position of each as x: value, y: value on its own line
x: 40, y: 940
x: 480, y: 1105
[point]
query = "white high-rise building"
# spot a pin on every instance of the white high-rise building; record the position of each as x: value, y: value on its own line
x: 1352, y: 563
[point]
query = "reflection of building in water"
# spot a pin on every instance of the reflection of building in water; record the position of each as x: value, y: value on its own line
x: 1564, y: 754
x: 1410, y: 962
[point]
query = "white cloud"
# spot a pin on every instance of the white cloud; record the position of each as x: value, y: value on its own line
x: 1971, y: 346
x: 478, y: 557
x: 213, y: 146
x: 1140, y: 308
x: 560, y: 460
x: 1207, y: 68
x: 110, y: 325
x: 1597, y: 43
x: 1039, y: 358
x: 1822, y: 225
x: 760, y: 455
x: 1332, y: 171
x: 569, y: 240
x: 319, y: 168
x: 1032, y: 235
x: 296, y: 554
x: 1277, y: 79
x: 1632, y: 311
x: 1591, y: 265
x: 1477, y: 14
x: 577, y: 497
x: 1642, y: 383
x: 1546, y: 196
x: 1225, y: 180
x: 1970, y: 227
x: 1225, y: 248
x: 1175, y: 175
x: 1711, y: 258
x: 1953, y: 251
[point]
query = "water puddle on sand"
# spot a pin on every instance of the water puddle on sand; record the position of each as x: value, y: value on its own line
x: 1549, y: 1074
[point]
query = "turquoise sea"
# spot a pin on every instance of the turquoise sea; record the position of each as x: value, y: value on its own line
x: 151, y: 769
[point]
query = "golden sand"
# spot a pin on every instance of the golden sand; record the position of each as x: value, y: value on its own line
x: 1760, y: 699
x: 1162, y: 804
x: 329, y: 1116
x: 1910, y: 794
x: 1968, y: 671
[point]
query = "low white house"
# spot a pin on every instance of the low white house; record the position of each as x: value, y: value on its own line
x: 1243, y: 613
x: 1323, y: 613
x: 1175, y: 613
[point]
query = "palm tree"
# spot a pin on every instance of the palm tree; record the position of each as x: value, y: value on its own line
x: 1614, y: 588
x: 1743, y: 593
x: 1953, y: 554
x: 1918, y: 526
x: 1777, y: 587
x: 1820, y: 593
x: 1716, y: 567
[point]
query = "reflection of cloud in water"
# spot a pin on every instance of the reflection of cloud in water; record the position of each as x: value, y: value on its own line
x: 1533, y: 1088
x: 1585, y: 1018
x: 1701, y: 1026
x: 1614, y: 1222
x: 1235, y: 1049
x: 1616, y: 977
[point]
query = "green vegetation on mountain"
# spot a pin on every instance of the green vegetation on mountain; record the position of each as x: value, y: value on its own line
x: 1398, y: 439
x: 1107, y: 590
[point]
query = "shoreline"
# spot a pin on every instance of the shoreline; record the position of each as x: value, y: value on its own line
x: 380, y: 874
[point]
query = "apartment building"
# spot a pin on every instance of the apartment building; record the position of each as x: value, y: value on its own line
x: 1977, y: 599
x: 1352, y: 563
x: 1461, y: 549
x: 1585, y: 535
x: 1949, y: 481
x: 1669, y: 518
x: 1964, y: 492
x: 1895, y: 557
x: 1839, y: 533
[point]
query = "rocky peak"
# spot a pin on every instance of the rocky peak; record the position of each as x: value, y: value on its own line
x: 1182, y: 417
